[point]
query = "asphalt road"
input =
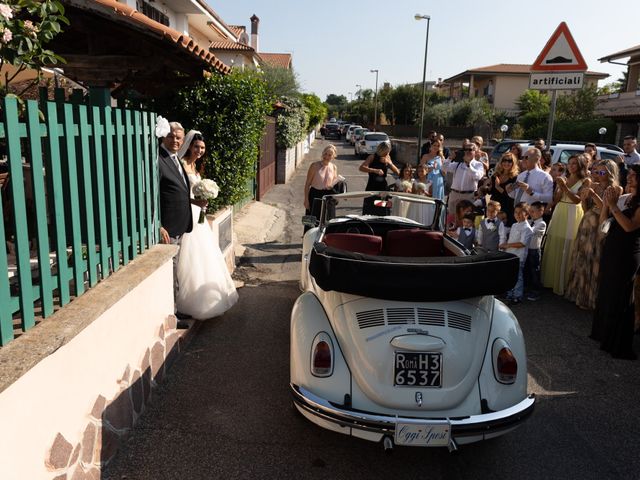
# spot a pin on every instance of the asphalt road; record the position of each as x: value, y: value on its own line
x: 224, y: 410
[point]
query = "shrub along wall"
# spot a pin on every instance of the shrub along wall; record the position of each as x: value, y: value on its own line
x: 230, y: 112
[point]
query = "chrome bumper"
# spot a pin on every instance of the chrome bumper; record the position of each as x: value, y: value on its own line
x: 473, y: 425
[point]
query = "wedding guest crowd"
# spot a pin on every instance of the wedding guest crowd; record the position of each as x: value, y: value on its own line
x: 573, y: 227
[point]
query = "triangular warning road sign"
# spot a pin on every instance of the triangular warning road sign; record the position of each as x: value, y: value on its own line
x: 560, y: 54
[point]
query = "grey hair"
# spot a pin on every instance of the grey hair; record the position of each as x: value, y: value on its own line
x: 176, y: 126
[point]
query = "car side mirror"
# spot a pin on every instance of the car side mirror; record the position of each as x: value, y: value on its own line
x: 309, y: 221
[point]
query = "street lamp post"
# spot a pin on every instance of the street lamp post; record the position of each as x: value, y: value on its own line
x: 359, y: 87
x: 375, y: 102
x: 417, y: 16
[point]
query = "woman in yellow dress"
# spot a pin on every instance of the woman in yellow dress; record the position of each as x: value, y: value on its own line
x: 563, y: 227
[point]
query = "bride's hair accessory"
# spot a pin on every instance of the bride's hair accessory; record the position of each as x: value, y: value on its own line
x: 162, y: 127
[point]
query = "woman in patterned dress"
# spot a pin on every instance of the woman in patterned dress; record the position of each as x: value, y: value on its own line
x: 556, y: 257
x: 583, y: 278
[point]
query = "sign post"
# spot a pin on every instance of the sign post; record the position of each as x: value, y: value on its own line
x: 560, y: 66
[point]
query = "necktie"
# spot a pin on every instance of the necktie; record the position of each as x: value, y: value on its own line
x: 176, y: 162
x: 468, y: 230
x: 520, y: 191
x: 490, y: 220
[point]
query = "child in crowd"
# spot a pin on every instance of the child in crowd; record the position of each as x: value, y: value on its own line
x: 404, y: 183
x: 454, y: 220
x: 488, y: 236
x: 466, y: 234
x: 517, y: 244
x: 532, y: 281
x: 422, y: 185
x: 480, y: 196
x: 504, y: 229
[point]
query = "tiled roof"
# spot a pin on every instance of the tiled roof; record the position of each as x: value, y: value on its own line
x: 622, y: 54
x: 229, y: 45
x: 139, y: 20
x: 509, y: 69
x: 282, y: 60
x: 237, y: 29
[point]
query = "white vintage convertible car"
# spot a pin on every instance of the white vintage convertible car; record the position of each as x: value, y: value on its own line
x: 397, y: 337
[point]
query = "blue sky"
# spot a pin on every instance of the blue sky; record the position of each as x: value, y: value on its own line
x: 335, y: 43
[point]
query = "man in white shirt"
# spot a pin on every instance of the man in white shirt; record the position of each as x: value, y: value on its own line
x: 631, y: 155
x: 466, y: 175
x: 532, y: 184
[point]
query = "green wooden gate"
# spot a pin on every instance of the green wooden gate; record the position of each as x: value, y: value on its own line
x: 79, y: 201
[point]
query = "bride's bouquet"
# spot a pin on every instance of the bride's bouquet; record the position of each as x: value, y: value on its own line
x: 205, y: 189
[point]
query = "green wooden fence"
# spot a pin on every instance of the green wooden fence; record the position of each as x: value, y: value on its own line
x: 79, y: 202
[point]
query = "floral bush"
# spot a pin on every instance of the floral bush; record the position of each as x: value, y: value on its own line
x: 26, y: 26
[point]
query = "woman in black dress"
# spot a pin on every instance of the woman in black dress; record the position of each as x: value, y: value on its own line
x: 376, y: 166
x: 506, y: 172
x: 614, y: 314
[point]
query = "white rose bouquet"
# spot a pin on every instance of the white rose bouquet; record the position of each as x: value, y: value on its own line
x: 205, y: 189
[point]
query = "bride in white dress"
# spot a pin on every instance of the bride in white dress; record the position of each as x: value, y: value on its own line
x: 205, y: 287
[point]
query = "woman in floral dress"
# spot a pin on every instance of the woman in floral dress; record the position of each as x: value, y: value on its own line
x: 563, y: 227
x: 583, y: 278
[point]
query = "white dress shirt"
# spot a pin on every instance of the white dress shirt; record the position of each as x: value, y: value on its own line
x: 632, y: 159
x: 465, y: 177
x: 539, y: 228
x: 539, y: 181
x: 520, y: 233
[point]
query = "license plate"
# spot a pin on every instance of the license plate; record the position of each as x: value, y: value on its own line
x: 424, y: 434
x: 417, y: 369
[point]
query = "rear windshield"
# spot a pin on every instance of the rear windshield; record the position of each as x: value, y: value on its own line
x: 376, y: 137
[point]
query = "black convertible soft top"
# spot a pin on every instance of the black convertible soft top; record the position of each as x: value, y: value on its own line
x: 419, y: 279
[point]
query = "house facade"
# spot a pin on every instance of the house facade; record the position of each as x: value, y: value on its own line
x: 624, y: 107
x: 500, y: 84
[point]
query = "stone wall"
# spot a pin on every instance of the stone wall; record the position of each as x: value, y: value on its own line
x: 77, y: 383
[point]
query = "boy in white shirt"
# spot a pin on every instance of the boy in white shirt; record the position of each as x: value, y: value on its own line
x: 518, y: 242
x: 532, y: 282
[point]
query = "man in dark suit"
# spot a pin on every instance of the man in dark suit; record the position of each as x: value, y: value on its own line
x: 175, y: 202
x: 175, y: 198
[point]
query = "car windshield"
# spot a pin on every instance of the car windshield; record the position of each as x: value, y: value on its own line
x: 413, y: 209
x: 376, y: 137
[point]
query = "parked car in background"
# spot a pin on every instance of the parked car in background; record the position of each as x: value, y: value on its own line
x: 393, y: 339
x: 560, y: 151
x: 358, y: 134
x: 344, y: 128
x: 332, y: 130
x: 350, y: 131
x: 503, y: 147
x: 370, y: 142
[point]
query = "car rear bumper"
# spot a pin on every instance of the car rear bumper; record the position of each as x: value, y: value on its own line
x: 487, y: 424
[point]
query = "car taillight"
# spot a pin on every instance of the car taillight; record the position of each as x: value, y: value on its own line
x: 506, y: 366
x: 322, y: 355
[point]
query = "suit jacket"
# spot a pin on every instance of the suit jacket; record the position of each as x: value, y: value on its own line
x: 175, y: 198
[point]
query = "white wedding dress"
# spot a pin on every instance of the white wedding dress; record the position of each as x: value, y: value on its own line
x: 205, y: 287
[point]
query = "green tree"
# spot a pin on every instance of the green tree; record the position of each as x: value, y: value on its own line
x: 281, y: 82
x: 316, y: 110
x: 405, y: 103
x: 230, y: 112
x: 579, y: 105
x: 26, y: 26
x: 532, y: 101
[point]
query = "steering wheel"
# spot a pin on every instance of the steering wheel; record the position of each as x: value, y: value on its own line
x: 369, y: 228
